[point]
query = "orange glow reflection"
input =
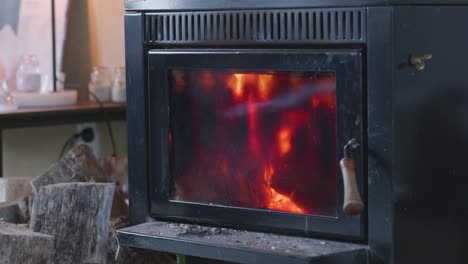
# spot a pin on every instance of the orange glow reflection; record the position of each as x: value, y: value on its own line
x: 207, y: 80
x: 179, y: 81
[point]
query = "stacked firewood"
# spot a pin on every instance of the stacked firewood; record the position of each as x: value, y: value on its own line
x: 70, y: 214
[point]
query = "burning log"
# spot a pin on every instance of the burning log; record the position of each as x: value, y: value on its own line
x: 77, y: 215
x: 21, y: 245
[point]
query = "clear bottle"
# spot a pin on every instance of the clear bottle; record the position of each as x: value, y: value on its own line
x: 100, y: 84
x: 6, y: 100
x: 28, y: 75
x: 119, y: 91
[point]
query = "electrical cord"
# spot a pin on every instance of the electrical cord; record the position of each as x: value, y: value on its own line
x: 71, y: 141
x: 108, y: 124
x: 87, y: 134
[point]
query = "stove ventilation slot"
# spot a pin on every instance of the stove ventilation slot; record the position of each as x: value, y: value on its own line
x: 257, y: 27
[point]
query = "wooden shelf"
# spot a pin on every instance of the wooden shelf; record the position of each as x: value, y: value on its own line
x: 46, y: 116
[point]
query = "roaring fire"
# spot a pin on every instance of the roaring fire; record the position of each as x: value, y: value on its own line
x: 256, y: 140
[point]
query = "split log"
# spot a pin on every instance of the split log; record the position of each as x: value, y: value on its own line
x: 78, y: 165
x: 115, y: 170
x: 22, y: 245
x: 14, y: 188
x: 9, y: 212
x: 119, y: 205
x: 16, y: 212
x: 15, y: 199
x: 77, y: 215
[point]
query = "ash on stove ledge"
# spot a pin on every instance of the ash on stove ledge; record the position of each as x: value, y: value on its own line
x: 240, y: 246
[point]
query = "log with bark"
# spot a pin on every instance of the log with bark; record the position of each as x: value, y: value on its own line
x: 115, y: 169
x: 78, y: 165
x: 77, y: 215
x: 9, y: 212
x: 22, y: 245
x: 14, y: 188
x: 16, y: 212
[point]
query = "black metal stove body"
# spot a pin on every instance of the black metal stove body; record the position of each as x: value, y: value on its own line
x: 404, y: 107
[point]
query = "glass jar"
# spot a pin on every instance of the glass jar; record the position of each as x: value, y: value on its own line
x: 100, y: 84
x: 6, y: 100
x: 119, y: 91
x: 28, y: 75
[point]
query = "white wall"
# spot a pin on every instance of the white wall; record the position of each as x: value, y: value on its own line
x: 106, y: 19
x: 95, y: 38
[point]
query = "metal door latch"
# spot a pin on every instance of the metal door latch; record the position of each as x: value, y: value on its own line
x: 420, y: 62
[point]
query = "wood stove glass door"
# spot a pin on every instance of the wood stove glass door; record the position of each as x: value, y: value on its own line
x: 254, y: 133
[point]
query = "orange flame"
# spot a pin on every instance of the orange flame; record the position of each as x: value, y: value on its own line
x: 254, y: 160
x: 260, y: 83
x: 237, y: 83
x: 259, y: 86
x: 264, y: 85
x: 284, y: 141
x: 276, y: 200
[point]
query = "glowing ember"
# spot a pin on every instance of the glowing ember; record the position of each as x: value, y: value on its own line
x: 257, y: 140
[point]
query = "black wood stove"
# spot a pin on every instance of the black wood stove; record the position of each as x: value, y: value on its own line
x: 298, y: 131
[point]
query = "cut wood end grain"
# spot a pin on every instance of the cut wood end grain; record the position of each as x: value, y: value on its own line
x: 77, y: 215
x: 19, y: 244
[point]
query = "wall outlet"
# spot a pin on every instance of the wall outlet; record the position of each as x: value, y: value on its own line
x: 95, y: 143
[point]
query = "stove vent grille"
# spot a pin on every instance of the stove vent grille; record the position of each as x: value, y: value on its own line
x: 253, y: 27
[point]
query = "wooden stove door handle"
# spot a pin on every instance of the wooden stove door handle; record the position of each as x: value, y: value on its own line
x: 352, y: 203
